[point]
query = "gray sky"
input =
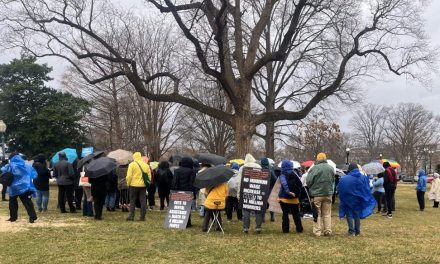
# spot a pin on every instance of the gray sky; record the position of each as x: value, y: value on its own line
x: 394, y: 89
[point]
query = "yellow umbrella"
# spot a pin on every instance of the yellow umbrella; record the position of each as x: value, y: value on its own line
x: 238, y: 161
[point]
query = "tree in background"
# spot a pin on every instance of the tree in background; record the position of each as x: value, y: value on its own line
x: 40, y: 119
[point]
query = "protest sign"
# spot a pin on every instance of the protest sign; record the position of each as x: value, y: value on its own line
x: 179, y: 210
x: 86, y: 151
x: 254, y: 189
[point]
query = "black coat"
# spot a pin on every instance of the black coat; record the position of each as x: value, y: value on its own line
x: 112, y: 182
x: 64, y: 173
x: 184, y: 176
x: 42, y: 180
x: 99, y: 188
x: 164, y: 178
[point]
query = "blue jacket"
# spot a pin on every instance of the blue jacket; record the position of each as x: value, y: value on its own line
x: 421, y: 182
x: 22, y: 176
x: 355, y: 196
x: 378, y: 186
x: 289, y: 175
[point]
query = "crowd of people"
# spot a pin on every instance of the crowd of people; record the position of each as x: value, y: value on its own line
x: 301, y: 191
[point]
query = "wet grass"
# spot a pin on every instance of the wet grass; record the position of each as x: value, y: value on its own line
x: 410, y: 237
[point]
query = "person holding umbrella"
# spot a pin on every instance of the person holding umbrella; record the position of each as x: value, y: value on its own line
x: 64, y: 174
x: 138, y: 184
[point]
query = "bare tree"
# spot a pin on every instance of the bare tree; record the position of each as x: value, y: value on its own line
x: 368, y: 129
x: 410, y: 130
x: 351, y: 38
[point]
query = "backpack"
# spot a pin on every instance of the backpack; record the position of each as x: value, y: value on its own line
x: 144, y: 176
x: 392, y: 177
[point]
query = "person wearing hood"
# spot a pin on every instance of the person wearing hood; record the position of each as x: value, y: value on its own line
x: 273, y: 178
x: 389, y: 184
x: 64, y: 173
x: 320, y: 181
x: 184, y: 177
x: 288, y: 197
x: 421, y: 189
x: 435, y: 190
x: 356, y: 200
x: 164, y: 178
x: 137, y: 186
x: 231, y: 199
x: 41, y: 182
x: 21, y: 187
x: 249, y: 162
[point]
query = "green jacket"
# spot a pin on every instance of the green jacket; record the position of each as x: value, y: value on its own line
x: 321, y: 179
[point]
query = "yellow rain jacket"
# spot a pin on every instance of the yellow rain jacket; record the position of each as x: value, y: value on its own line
x: 216, y: 194
x: 134, y: 173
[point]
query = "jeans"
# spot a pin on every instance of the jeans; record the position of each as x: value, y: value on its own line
x: 354, y: 225
x: 247, y: 220
x: 294, y: 210
x: 138, y: 193
x: 202, y: 210
x: 389, y: 195
x: 231, y: 204
x: 42, y: 200
x: 87, y: 208
x: 421, y: 200
x: 378, y: 196
x: 110, y: 200
x: 324, y: 207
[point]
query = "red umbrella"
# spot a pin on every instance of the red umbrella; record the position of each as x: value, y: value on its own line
x: 307, y: 163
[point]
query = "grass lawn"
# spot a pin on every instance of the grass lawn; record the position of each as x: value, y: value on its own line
x: 409, y: 237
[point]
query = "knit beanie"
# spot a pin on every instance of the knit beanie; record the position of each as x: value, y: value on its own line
x: 321, y: 156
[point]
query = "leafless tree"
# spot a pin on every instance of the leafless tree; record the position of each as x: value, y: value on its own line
x: 368, y: 129
x: 410, y: 131
x: 345, y: 39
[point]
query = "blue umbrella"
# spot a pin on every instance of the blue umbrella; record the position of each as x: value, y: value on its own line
x: 70, y: 153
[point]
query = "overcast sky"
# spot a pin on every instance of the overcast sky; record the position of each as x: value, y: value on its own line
x: 394, y: 89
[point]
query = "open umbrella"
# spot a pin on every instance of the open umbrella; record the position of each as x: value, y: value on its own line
x: 154, y: 165
x: 209, y: 158
x: 213, y: 176
x: 70, y: 154
x: 339, y: 172
x: 373, y: 168
x: 393, y: 163
x: 307, y: 163
x: 122, y: 157
x: 89, y: 157
x: 238, y: 161
x: 100, y: 167
x: 271, y: 161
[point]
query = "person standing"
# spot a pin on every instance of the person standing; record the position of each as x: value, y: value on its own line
x: 164, y: 179
x: 378, y: 191
x: 124, y: 196
x: 435, y: 190
x: 288, y: 196
x: 320, y: 181
x: 389, y: 184
x: 64, y: 173
x: 137, y: 186
x: 21, y: 187
x: 273, y: 178
x: 231, y: 199
x: 4, y: 188
x: 99, y: 192
x: 78, y: 190
x: 421, y: 189
x: 112, y: 189
x: 356, y: 200
x: 249, y: 162
x: 184, y: 177
x: 41, y: 183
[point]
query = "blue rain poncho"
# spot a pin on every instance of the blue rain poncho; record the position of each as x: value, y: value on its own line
x: 22, y: 176
x: 355, y: 195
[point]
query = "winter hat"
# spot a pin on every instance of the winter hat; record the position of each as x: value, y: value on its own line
x: 235, y: 166
x: 321, y: 156
x: 352, y: 166
x: 386, y: 164
x: 286, y: 165
x: 264, y: 162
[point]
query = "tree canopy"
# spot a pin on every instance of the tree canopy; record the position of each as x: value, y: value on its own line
x: 39, y: 119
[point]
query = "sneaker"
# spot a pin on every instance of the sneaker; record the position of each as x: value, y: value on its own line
x: 246, y: 231
x: 390, y: 216
x: 258, y: 230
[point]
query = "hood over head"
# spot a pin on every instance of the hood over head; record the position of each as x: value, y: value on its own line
x: 187, y: 162
x: 62, y: 155
x: 249, y: 159
x: 352, y: 166
x: 264, y: 162
x: 235, y: 166
x: 137, y: 156
x: 422, y: 173
x: 286, y: 166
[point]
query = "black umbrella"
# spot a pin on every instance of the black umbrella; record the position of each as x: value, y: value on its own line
x: 209, y: 158
x: 213, y: 176
x: 88, y: 158
x: 100, y: 167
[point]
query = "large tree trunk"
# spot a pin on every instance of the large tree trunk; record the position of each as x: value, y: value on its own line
x: 244, y: 124
x: 270, y: 139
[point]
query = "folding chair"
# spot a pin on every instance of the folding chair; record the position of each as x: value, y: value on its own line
x: 215, y: 216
